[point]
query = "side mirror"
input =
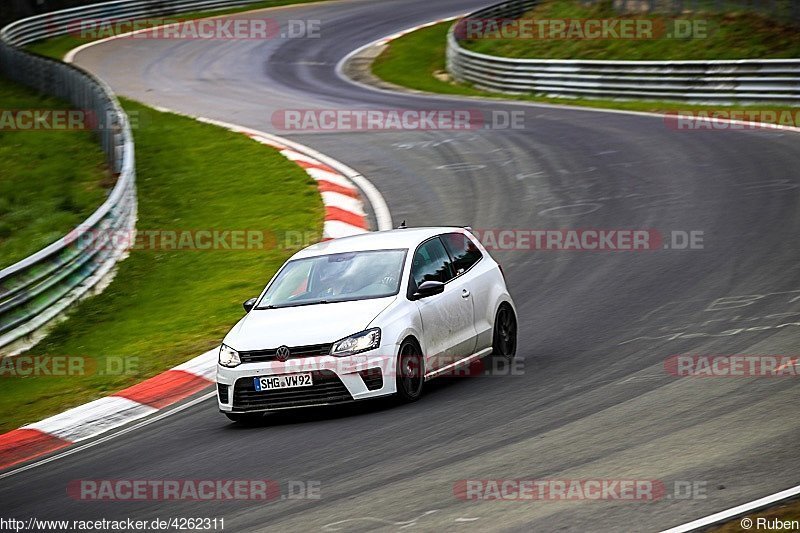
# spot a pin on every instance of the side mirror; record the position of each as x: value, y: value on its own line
x: 249, y: 304
x: 429, y: 288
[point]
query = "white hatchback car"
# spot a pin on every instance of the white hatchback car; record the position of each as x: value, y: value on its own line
x: 366, y: 316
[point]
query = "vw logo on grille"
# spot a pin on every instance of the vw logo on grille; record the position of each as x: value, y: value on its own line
x: 282, y: 353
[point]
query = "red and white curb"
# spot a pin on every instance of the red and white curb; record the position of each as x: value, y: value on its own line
x: 344, y: 216
x: 97, y: 417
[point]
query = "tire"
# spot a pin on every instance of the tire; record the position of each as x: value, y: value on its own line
x: 245, y: 418
x: 410, y: 372
x: 504, y: 339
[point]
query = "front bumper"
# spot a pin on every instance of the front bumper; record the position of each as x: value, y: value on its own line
x: 336, y: 380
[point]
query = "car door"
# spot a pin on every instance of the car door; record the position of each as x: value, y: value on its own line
x: 477, y: 277
x: 447, y: 318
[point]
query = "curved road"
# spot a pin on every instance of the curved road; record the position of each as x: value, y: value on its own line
x: 593, y: 400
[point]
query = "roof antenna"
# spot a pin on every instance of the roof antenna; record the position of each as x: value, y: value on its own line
x: 402, y: 225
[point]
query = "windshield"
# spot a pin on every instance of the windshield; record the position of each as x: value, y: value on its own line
x: 336, y: 278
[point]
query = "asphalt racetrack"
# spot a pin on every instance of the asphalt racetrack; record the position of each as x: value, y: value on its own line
x: 592, y: 400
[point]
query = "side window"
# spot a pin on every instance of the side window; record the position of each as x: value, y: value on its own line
x: 431, y: 263
x: 462, y: 250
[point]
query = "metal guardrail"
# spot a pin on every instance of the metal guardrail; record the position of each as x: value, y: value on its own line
x: 41, y: 286
x: 744, y: 81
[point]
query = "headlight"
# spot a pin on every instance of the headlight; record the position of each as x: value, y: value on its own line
x: 228, y: 356
x: 360, y: 342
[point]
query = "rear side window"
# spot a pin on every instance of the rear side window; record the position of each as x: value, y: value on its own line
x: 431, y: 263
x: 462, y: 250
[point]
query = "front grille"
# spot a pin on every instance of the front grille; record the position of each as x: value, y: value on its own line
x: 373, y: 378
x: 327, y: 388
x: 295, y: 352
x: 222, y: 390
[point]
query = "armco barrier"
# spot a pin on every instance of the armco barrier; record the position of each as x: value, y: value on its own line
x: 750, y: 81
x: 41, y: 286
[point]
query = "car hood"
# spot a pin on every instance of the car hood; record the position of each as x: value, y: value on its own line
x: 303, y: 325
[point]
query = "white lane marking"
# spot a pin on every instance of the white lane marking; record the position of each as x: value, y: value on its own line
x: 336, y: 229
x: 91, y: 419
x: 404, y: 524
x: 735, y: 511
x: 569, y: 211
x: 148, y: 421
x: 461, y: 167
x: 342, y: 201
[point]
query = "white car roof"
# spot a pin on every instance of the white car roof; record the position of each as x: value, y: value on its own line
x: 376, y: 240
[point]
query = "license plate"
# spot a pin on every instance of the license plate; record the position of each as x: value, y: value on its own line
x: 286, y: 381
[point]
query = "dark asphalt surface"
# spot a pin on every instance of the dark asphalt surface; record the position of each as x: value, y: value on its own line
x: 594, y: 400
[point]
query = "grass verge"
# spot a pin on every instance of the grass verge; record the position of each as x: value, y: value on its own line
x: 417, y: 61
x: 165, y: 307
x: 694, y: 35
x: 50, y: 180
x: 57, y: 47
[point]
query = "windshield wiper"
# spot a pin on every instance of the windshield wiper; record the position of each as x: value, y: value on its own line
x: 298, y: 304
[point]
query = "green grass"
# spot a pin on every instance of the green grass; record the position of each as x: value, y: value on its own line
x: 417, y: 61
x: 729, y: 35
x: 165, y: 307
x: 414, y: 59
x: 50, y: 180
x: 57, y: 47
